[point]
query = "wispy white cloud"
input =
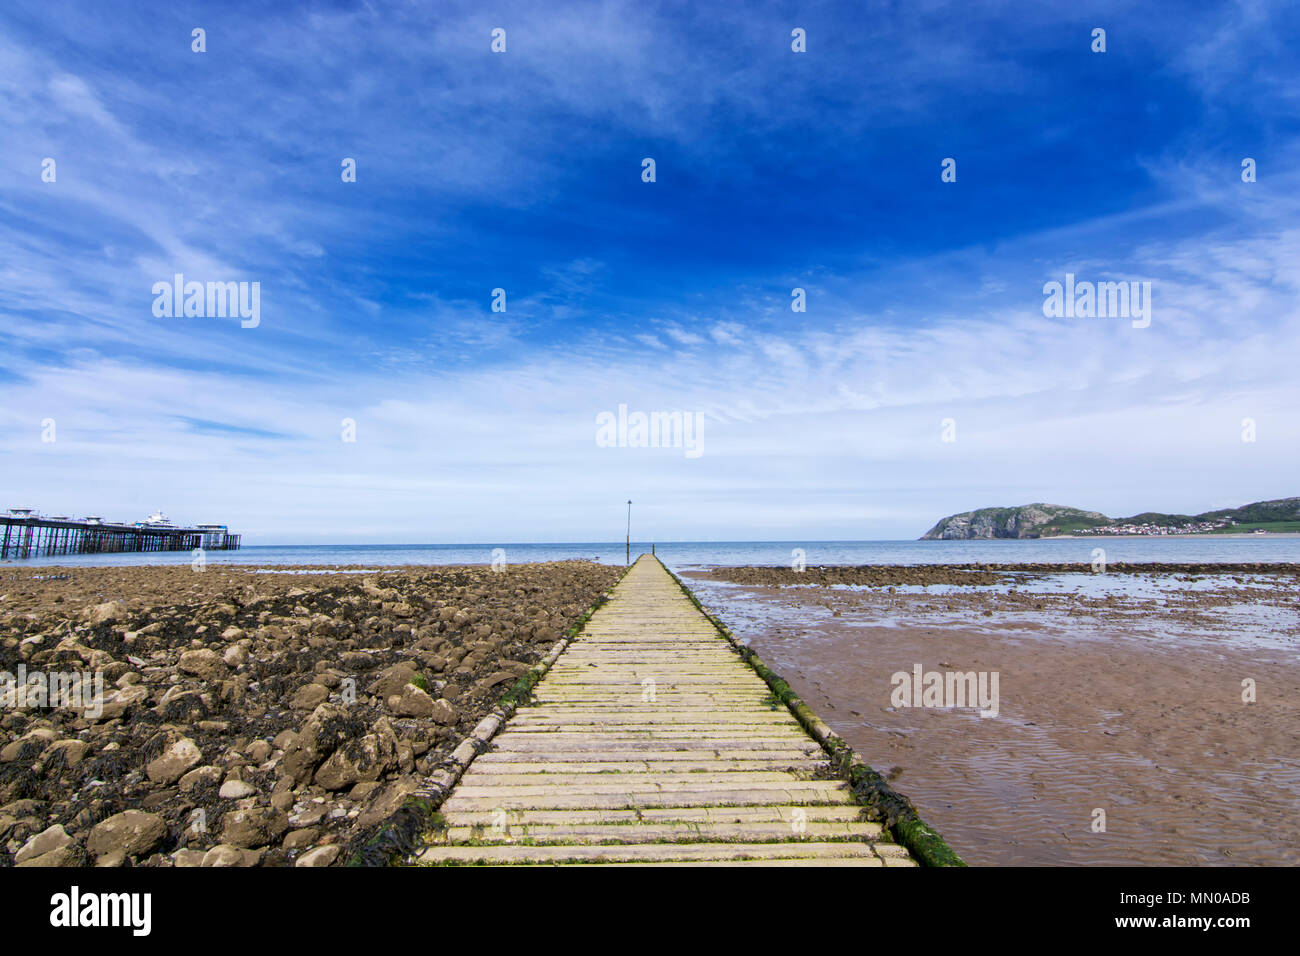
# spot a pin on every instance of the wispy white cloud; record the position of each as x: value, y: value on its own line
x: 856, y: 406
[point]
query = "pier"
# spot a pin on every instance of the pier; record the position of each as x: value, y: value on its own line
x: 27, y: 535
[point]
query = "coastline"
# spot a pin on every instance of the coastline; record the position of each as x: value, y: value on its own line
x: 349, y: 559
x: 1129, y: 537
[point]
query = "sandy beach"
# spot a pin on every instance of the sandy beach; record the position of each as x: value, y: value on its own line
x: 1120, y: 693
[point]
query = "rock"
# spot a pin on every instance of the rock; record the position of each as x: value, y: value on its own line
x: 433, y: 663
x: 202, y: 663
x: 58, y: 857
x: 235, y: 655
x: 174, y: 762
x: 367, y: 758
x: 51, y: 838
x: 309, y: 816
x: 392, y: 680
x: 74, y: 751
x: 1023, y: 521
x: 11, y: 750
x: 105, y: 613
x: 258, y: 751
x: 357, y: 660
x: 337, y: 772
x: 103, y: 661
x: 234, y: 691
x: 387, y: 803
x: 257, y: 826
x: 232, y: 633
x: 284, y: 739
x: 189, y: 857
x: 22, y: 808
x: 297, y: 839
x: 362, y: 790
x: 130, y: 833
x: 411, y: 702
x: 329, y: 726
x: 444, y: 711
x: 118, y: 703
x: 500, y: 677
x: 199, y: 776
x: 181, y: 706
x: 236, y: 790
x: 223, y: 855
x: 157, y: 799
x: 321, y: 856
x: 309, y: 697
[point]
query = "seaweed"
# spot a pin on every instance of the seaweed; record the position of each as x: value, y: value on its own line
x: 881, y: 802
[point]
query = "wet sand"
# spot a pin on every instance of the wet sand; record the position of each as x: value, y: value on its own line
x: 1119, y: 692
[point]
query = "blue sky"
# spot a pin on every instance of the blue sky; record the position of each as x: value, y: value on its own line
x: 522, y: 170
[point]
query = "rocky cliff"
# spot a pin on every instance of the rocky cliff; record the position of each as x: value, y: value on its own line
x: 1037, y: 520
x: 1025, y: 521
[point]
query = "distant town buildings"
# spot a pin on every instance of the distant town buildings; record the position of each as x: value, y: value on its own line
x: 1196, y: 527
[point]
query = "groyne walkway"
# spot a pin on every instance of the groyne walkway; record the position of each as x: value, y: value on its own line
x: 650, y: 740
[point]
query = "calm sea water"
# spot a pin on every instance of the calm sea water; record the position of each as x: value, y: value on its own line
x: 695, y: 554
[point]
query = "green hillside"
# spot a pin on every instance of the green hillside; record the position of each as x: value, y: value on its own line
x: 1043, y: 520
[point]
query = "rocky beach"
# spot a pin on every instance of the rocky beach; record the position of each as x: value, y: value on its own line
x: 250, y: 718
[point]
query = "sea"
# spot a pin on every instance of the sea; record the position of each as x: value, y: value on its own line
x: 688, y: 555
